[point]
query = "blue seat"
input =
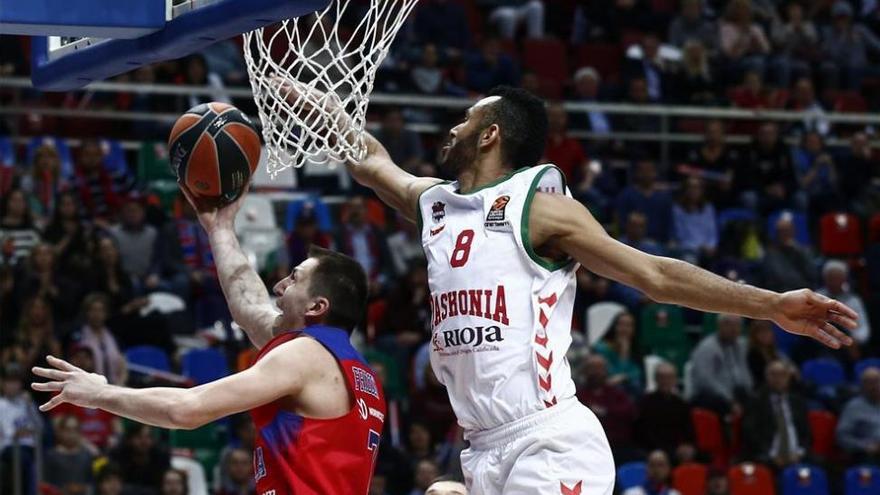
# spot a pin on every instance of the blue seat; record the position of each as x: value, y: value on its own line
x: 801, y: 226
x: 204, y: 365
x: 823, y: 372
x: 7, y: 152
x: 864, y: 364
x: 730, y: 214
x: 804, y: 479
x: 322, y: 213
x: 862, y: 480
x: 114, y: 156
x: 60, y: 146
x: 150, y: 356
x: 631, y: 474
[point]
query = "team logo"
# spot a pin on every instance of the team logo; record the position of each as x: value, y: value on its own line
x: 438, y: 211
x: 259, y: 464
x: 496, y: 216
x: 362, y: 408
x: 437, y: 230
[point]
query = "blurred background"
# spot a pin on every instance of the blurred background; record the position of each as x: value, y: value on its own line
x: 738, y: 135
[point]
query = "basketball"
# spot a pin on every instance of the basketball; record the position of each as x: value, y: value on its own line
x: 213, y: 149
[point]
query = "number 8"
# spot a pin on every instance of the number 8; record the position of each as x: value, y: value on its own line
x: 462, y: 248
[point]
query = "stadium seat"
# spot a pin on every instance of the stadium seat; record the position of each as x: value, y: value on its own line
x: 60, y: 146
x: 874, y: 228
x: 114, y: 156
x: 822, y: 426
x: 631, y: 474
x: 801, y: 226
x: 7, y: 152
x: 804, y: 479
x: 823, y: 372
x: 840, y: 234
x: 154, y: 171
x: 546, y: 57
x: 604, y: 57
x: 862, y: 480
x: 864, y: 364
x: 599, y: 318
x: 709, y: 437
x: 850, y: 102
x: 149, y: 356
x: 690, y: 478
x: 731, y: 214
x: 661, y: 323
x: 750, y: 479
x: 197, y: 482
x: 204, y: 365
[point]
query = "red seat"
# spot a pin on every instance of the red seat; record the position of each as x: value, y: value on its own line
x: 547, y: 57
x: 663, y: 6
x: 822, y: 426
x: 750, y: 479
x: 604, y: 57
x: 690, y: 478
x: 707, y: 427
x: 840, y: 234
x: 850, y: 101
x: 874, y: 229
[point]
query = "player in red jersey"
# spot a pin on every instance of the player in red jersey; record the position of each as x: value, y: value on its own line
x: 317, y: 406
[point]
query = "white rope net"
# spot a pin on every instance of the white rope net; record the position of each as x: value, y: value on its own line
x: 312, y: 77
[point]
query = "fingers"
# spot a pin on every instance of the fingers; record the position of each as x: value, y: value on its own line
x: 828, y: 335
x: 48, y: 386
x: 50, y: 373
x: 55, y: 401
x: 841, y: 337
x: 61, y: 364
x: 842, y: 309
x: 844, y: 321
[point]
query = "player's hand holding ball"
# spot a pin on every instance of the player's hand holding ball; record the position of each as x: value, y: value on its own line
x: 214, y: 149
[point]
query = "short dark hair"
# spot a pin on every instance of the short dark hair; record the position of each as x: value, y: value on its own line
x: 523, y: 122
x: 343, y: 282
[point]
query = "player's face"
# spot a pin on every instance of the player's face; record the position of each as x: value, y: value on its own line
x: 461, y: 150
x: 293, y: 294
x: 446, y: 488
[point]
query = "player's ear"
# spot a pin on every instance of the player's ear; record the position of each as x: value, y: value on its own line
x: 318, y: 307
x: 490, y: 135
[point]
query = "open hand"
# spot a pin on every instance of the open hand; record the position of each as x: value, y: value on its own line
x: 74, y: 385
x: 804, y: 312
x: 210, y: 215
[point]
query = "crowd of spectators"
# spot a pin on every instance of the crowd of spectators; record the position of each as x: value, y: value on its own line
x: 85, y: 246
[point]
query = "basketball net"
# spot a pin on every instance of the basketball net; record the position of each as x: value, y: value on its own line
x: 312, y: 77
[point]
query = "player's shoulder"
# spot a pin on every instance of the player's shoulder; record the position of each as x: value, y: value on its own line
x: 303, y: 351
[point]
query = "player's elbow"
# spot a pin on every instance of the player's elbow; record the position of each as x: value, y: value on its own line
x: 654, y: 279
x: 184, y: 413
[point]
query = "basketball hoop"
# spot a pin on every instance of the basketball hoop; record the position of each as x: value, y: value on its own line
x: 330, y: 58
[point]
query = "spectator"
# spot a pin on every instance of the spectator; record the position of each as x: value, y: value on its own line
x: 664, y: 417
x: 306, y: 233
x: 68, y: 465
x: 637, y: 94
x: 101, y: 191
x: 446, y: 487
x: 110, y: 279
x: 845, y: 45
x: 36, y: 338
x: 443, y: 23
x: 429, y: 77
x: 508, y: 15
x: 137, y: 240
x: 716, y: 162
x: 763, y: 351
x: 634, y: 235
x: 586, y: 89
x: 407, y: 319
x: 612, y: 405
x: 767, y: 180
x: 561, y: 150
x: 420, y: 446
x: 140, y: 459
x: 364, y: 242
x: 378, y: 484
x: 618, y: 349
x: 796, y: 43
x: 425, y: 472
x: 225, y: 59
x: 646, y: 197
x: 431, y: 405
x: 694, y: 84
x: 695, y: 230
x: 44, y: 181
x: 743, y: 41
x: 787, y: 265
x: 803, y: 99
x: 490, y: 67
x: 855, y: 166
x: 720, y: 370
x: 404, y: 145
x: 817, y: 174
x: 657, y: 482
x: 651, y: 67
x: 689, y: 25
x: 109, y: 481
x: 775, y: 426
x: 405, y: 245
x: 69, y: 237
x: 196, y: 74
x: 238, y: 473
x: 39, y: 278
x: 717, y: 482
x: 754, y: 94
x: 95, y: 335
x: 835, y: 275
x: 20, y: 425
x: 174, y: 482
x: 97, y: 427
x: 858, y: 428
x: 18, y: 233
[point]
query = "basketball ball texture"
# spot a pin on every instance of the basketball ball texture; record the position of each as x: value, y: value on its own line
x: 213, y: 149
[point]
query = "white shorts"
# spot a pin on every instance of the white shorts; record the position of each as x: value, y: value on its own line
x: 560, y: 450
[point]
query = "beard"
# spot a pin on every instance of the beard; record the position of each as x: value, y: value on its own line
x: 460, y: 155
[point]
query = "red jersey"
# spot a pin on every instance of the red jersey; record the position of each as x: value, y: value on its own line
x: 303, y: 456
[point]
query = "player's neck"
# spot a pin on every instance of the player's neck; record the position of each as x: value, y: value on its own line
x: 480, y: 175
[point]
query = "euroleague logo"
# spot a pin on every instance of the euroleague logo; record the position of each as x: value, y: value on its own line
x: 495, y: 219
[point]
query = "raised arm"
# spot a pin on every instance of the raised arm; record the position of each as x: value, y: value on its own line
x: 282, y: 372
x: 558, y: 223
x: 245, y: 292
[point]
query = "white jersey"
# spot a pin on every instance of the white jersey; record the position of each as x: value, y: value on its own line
x: 501, y: 314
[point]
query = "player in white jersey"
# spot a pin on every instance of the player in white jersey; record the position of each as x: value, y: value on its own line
x: 503, y: 243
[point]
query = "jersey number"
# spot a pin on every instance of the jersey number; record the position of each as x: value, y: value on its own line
x: 462, y: 248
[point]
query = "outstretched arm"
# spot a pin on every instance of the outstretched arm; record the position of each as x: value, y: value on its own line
x: 245, y: 292
x: 560, y: 223
x: 280, y: 373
